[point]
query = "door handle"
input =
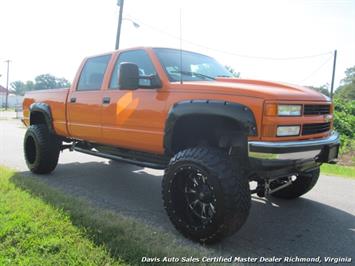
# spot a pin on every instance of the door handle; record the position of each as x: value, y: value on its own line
x: 72, y: 99
x: 106, y: 100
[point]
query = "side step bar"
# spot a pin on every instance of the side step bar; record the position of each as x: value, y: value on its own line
x: 118, y: 158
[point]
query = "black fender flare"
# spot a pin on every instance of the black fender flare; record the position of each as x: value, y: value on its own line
x: 45, y: 110
x: 239, y: 113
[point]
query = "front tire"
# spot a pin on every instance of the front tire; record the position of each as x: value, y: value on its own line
x: 205, y: 196
x: 303, y: 183
x: 41, y: 149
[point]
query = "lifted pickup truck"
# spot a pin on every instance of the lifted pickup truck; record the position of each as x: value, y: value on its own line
x: 184, y: 112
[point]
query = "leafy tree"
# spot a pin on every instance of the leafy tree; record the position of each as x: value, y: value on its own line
x: 233, y: 72
x: 30, y: 85
x: 322, y: 89
x: 18, y: 87
x: 346, y: 90
x: 45, y: 81
x: 349, y: 75
x: 48, y: 81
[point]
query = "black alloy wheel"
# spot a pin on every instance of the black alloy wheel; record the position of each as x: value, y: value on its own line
x: 205, y: 195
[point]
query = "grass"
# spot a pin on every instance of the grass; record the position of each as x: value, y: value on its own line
x: 74, y: 224
x: 338, y: 170
x: 34, y: 233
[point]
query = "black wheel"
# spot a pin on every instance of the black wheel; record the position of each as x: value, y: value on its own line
x: 302, y: 183
x: 204, y: 195
x: 41, y: 149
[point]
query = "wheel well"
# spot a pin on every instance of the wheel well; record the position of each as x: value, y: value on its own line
x: 37, y: 118
x: 211, y: 130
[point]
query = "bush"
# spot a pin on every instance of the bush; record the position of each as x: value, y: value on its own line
x: 344, y: 123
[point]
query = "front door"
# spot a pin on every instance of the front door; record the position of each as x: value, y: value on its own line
x: 134, y: 119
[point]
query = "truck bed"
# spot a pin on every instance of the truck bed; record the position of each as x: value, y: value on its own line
x: 56, y: 99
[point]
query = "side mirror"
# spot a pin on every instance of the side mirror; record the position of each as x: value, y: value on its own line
x: 128, y: 76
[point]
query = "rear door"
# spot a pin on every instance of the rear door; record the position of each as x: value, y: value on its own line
x: 84, y: 104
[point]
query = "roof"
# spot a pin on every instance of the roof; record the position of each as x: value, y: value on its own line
x: 144, y: 48
x: 2, y: 90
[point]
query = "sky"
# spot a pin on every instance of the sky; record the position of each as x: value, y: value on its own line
x: 272, y: 40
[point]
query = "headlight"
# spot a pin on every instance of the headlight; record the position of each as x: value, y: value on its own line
x: 285, y: 131
x: 289, y: 110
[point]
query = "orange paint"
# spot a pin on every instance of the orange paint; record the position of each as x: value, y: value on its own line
x: 126, y: 106
x: 136, y: 119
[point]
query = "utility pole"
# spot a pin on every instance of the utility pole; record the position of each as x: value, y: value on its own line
x: 333, y: 75
x: 120, y: 4
x: 7, y: 84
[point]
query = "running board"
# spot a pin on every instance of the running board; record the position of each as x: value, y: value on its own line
x: 118, y: 158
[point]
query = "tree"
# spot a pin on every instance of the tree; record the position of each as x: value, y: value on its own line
x: 18, y: 87
x: 349, y: 76
x: 346, y: 90
x: 233, y: 72
x: 48, y: 81
x: 42, y: 82
x: 322, y: 89
x: 30, y: 86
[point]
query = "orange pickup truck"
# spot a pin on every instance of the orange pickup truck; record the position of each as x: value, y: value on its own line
x: 184, y: 112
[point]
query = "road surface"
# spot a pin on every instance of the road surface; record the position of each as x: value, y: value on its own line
x: 321, y: 223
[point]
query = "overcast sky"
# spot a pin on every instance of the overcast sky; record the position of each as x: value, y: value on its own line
x: 47, y: 36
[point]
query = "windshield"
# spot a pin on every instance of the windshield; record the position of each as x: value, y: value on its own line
x: 194, y: 67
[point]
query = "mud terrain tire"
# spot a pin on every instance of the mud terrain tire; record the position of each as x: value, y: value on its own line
x: 41, y: 149
x: 205, y: 195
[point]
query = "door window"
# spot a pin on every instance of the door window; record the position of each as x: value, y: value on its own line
x: 141, y: 59
x: 93, y: 73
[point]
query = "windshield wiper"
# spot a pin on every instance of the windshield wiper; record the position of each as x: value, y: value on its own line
x: 189, y: 73
x: 224, y: 76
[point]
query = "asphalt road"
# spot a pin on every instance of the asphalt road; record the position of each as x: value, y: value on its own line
x: 321, y: 223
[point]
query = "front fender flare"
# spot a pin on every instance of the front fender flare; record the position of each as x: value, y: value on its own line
x: 241, y: 114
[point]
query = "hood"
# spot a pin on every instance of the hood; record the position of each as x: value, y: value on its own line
x: 267, y: 90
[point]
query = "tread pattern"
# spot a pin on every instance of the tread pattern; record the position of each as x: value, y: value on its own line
x: 303, y: 183
x: 47, y: 148
x: 233, y: 188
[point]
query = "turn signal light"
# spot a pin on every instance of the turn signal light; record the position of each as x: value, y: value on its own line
x: 271, y: 109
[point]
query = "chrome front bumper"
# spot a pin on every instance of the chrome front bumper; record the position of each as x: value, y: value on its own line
x: 325, y: 149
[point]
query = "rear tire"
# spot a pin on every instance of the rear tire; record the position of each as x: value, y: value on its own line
x: 41, y: 149
x: 205, y: 196
x: 304, y: 182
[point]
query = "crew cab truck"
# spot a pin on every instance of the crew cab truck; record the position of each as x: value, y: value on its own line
x: 184, y: 112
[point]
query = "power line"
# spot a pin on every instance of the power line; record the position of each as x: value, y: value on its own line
x: 232, y: 53
x: 317, y: 69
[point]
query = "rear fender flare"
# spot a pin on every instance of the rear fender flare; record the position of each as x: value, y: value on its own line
x: 43, y: 109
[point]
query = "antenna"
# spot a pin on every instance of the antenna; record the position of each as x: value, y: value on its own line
x: 180, y: 47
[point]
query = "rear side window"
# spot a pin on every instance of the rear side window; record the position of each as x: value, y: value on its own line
x: 138, y: 57
x: 92, y: 75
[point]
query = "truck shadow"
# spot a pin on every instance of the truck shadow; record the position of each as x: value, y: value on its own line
x: 301, y: 227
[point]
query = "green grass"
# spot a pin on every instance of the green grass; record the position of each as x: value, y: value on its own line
x: 338, y: 170
x: 124, y: 238
x: 34, y: 233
